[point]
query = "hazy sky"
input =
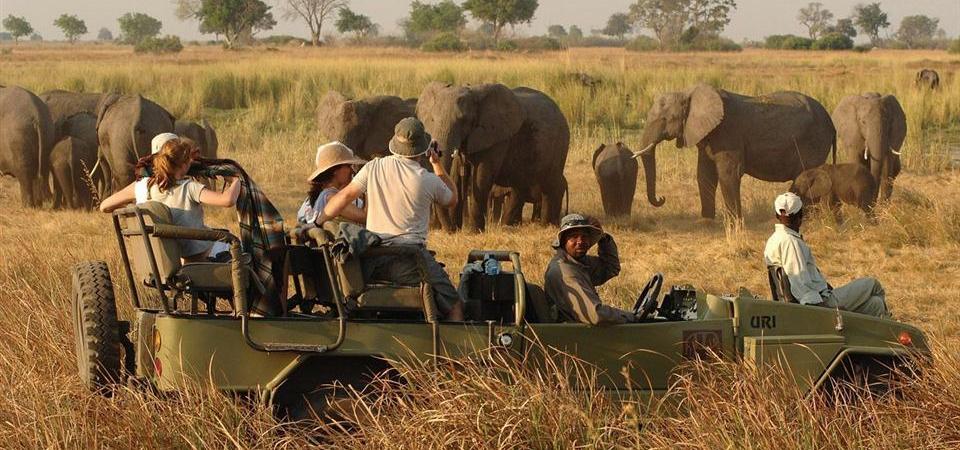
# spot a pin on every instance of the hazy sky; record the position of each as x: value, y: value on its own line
x: 753, y: 19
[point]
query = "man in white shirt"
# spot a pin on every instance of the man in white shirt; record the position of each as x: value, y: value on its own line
x: 786, y: 249
x: 400, y: 193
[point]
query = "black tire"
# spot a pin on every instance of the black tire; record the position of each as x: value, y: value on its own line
x: 95, y: 325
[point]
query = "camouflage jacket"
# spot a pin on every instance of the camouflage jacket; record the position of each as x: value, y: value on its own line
x: 570, y: 284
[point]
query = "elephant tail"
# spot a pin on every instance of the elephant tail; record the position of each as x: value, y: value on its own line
x: 834, y: 149
x: 42, y: 169
x: 566, y: 195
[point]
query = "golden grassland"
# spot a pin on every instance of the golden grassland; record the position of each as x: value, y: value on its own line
x: 262, y: 103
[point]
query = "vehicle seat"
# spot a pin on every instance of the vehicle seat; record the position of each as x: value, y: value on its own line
x: 539, y: 308
x: 779, y: 285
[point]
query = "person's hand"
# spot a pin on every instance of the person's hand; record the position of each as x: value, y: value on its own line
x: 595, y: 222
x: 433, y: 152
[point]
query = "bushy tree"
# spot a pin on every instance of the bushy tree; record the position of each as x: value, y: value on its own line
x: 444, y: 42
x: 17, y: 27
x: 36, y: 37
x: 669, y: 20
x: 918, y: 31
x: 444, y: 17
x: 72, y: 26
x: 166, y: 44
x: 844, y: 27
x: 557, y: 31
x: 314, y: 13
x: 104, y: 35
x: 833, y: 41
x: 815, y: 17
x: 618, y: 26
x: 135, y: 27
x: 500, y: 13
x: 870, y: 19
x: 575, y: 34
x: 236, y: 20
x: 358, y: 24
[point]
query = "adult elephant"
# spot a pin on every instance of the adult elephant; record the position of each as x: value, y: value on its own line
x: 771, y: 137
x: 125, y: 126
x: 490, y: 134
x: 366, y: 124
x: 65, y: 104
x: 616, y: 171
x: 72, y: 160
x: 203, y: 134
x: 872, y: 128
x: 26, y: 138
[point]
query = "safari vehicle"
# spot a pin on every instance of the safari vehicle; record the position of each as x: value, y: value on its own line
x: 192, y: 321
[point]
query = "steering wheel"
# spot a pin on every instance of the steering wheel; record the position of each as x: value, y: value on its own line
x: 647, y: 301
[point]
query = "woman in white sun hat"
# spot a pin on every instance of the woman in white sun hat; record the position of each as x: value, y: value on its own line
x: 334, y: 170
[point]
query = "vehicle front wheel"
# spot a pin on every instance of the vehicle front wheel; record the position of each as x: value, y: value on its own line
x: 96, y: 329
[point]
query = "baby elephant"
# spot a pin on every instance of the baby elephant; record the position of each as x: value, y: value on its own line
x: 848, y: 183
x: 928, y: 78
x: 616, y: 172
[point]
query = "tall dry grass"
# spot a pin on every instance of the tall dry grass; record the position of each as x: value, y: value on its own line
x: 262, y: 105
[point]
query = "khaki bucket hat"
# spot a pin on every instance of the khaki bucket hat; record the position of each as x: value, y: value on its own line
x: 410, y: 138
x: 573, y: 222
x: 333, y: 154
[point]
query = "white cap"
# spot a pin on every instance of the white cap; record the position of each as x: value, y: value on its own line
x: 787, y: 203
x: 157, y: 142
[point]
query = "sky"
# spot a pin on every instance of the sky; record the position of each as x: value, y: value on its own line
x: 753, y: 19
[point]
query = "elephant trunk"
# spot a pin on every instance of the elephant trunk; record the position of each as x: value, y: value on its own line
x: 648, y: 154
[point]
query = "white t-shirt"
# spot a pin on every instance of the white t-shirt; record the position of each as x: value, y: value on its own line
x: 399, y: 195
x: 183, y: 199
x: 308, y: 213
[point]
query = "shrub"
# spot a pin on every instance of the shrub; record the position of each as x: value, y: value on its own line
x: 166, y: 44
x: 507, y: 46
x: 862, y: 48
x: 538, y: 43
x: 444, y: 42
x: 775, y: 42
x: 954, y: 46
x: 283, y: 39
x: 597, y: 41
x: 833, y: 41
x: 796, y: 43
x: 643, y: 44
x: 713, y: 44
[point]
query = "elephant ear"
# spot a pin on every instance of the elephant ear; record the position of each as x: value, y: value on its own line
x: 426, y: 107
x: 820, y: 185
x: 845, y: 115
x: 499, y: 117
x: 597, y: 153
x: 106, y: 102
x: 704, y: 113
x: 210, y: 136
x: 898, y: 121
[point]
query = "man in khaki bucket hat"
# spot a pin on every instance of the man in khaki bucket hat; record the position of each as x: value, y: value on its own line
x: 400, y: 193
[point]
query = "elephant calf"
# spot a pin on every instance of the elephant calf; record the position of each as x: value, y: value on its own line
x: 848, y: 183
x: 67, y: 160
x: 928, y: 78
x: 616, y: 171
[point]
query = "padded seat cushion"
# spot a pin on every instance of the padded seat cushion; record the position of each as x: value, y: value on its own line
x: 391, y: 298
x: 207, y: 276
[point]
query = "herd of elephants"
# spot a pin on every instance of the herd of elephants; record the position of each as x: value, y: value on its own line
x: 502, y: 146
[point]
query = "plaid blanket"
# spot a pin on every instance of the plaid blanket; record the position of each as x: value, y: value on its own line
x: 261, y: 229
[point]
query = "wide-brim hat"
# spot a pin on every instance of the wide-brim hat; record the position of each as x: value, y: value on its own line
x: 576, y: 222
x: 333, y: 154
x: 410, y: 138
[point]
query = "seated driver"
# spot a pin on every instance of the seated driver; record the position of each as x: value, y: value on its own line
x: 572, y: 275
x: 786, y: 249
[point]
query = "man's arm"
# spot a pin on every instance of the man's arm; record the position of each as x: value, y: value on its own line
x: 577, y: 295
x: 339, y: 202
x: 794, y: 267
x: 442, y: 174
x: 606, y: 264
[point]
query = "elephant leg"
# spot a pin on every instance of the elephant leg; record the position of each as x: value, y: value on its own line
x: 480, y: 184
x: 496, y: 206
x: 27, y: 193
x: 729, y: 173
x: 707, y: 183
x: 551, y: 200
x: 513, y: 208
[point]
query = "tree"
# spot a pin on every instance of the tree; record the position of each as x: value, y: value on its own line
x: 72, y: 26
x: 359, y: 24
x: 135, y: 27
x: 17, y: 26
x: 557, y: 31
x: 815, y: 17
x: 444, y: 17
x: 671, y: 20
x: 314, y: 12
x: 870, y: 19
x: 500, y: 13
x: 36, y: 37
x: 104, y: 35
x: 618, y: 25
x: 575, y: 34
x: 917, y: 31
x: 236, y: 20
x: 844, y: 27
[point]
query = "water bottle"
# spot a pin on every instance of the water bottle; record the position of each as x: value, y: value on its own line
x: 491, y: 266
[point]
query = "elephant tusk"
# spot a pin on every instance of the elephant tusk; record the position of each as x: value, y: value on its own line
x: 642, y: 152
x: 895, y: 152
x: 866, y: 153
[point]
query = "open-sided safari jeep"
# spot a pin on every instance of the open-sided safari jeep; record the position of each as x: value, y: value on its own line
x: 192, y: 322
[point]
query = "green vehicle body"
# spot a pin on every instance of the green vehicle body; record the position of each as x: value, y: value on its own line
x: 295, y: 355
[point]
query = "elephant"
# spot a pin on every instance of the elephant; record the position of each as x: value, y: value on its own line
x: 771, y: 137
x: 65, y: 104
x: 490, y: 134
x: 366, y: 124
x: 928, y: 78
x: 125, y: 126
x: 872, y: 128
x: 67, y: 160
x: 500, y: 195
x: 204, y: 135
x: 26, y: 138
x: 849, y: 183
x: 616, y: 171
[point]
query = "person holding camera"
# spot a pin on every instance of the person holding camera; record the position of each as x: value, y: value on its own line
x: 400, y: 192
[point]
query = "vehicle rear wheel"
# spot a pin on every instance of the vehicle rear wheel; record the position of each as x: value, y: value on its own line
x: 97, y: 333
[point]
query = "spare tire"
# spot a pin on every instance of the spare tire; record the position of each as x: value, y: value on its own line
x: 95, y: 325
